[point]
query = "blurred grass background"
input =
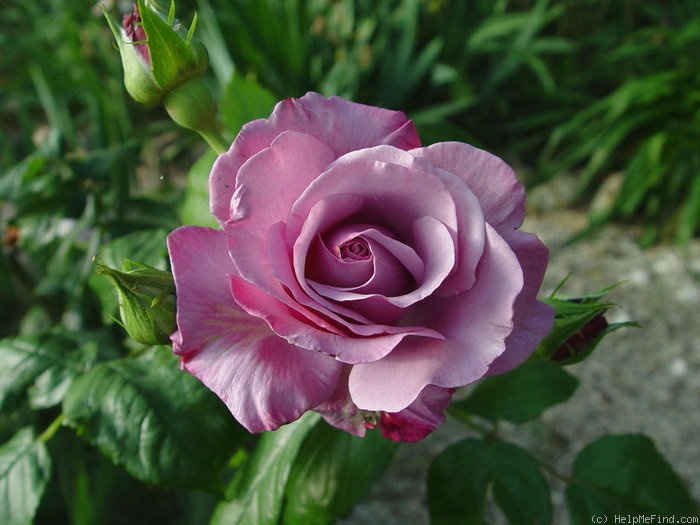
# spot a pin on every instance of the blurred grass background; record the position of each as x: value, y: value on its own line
x: 583, y: 88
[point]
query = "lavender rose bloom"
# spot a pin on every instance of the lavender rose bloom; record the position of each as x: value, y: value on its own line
x: 355, y: 273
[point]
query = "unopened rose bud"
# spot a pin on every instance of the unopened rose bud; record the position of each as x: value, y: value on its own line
x: 146, y: 301
x: 157, y: 53
x: 583, y: 341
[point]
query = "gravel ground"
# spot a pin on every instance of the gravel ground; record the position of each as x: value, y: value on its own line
x: 640, y: 380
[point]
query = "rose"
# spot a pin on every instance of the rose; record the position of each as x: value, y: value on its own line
x: 355, y: 274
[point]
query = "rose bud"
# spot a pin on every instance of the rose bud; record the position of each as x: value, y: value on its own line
x: 158, y: 55
x: 146, y: 301
x: 583, y: 341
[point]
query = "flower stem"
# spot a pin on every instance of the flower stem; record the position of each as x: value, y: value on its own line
x: 468, y: 421
x: 52, y: 429
x: 215, y: 140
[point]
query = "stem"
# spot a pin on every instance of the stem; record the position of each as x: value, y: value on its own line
x: 215, y: 140
x: 469, y: 422
x: 52, y: 429
x: 552, y: 471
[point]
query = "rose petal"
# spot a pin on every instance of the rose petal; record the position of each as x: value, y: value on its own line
x: 327, y: 211
x: 324, y: 266
x: 532, y: 319
x: 339, y: 410
x: 264, y: 381
x: 388, y: 275
x: 200, y: 262
x: 346, y: 348
x: 476, y: 324
x: 418, y: 419
x: 433, y: 245
x: 342, y: 125
x: 501, y: 196
x: 389, y: 192
x: 469, y: 234
x: 269, y: 183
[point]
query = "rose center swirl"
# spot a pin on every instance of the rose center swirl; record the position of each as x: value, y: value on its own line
x: 355, y: 249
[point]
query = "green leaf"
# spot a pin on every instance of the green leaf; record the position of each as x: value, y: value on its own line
x: 244, y: 100
x: 332, y: 472
x: 160, y: 423
x: 625, y: 475
x: 258, y: 488
x: 519, y: 395
x: 195, y: 208
x: 146, y: 246
x: 40, y: 365
x: 25, y: 469
x: 461, y: 477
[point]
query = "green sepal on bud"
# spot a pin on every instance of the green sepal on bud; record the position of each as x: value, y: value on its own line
x: 579, y: 325
x: 146, y: 301
x: 158, y: 54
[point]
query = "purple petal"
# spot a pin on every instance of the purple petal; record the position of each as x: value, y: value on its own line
x: 433, y: 244
x: 323, y: 265
x: 388, y: 275
x: 269, y: 183
x: 303, y: 298
x: 295, y: 329
x: 532, y: 319
x: 389, y: 192
x: 501, y: 196
x: 342, y: 125
x: 339, y: 410
x: 469, y: 232
x: 200, y: 264
x: 420, y: 418
x: 476, y: 324
x: 264, y: 381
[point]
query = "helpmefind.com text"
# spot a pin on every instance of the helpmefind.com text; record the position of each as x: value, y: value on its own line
x: 639, y: 519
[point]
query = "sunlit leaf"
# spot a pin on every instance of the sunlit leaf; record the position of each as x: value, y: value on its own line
x: 40, y: 366
x: 195, y: 209
x: 25, y: 469
x: 332, y: 471
x: 258, y: 488
x: 157, y: 421
x: 244, y: 100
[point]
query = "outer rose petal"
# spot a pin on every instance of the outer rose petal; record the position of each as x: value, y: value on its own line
x: 264, y: 381
x: 501, y: 195
x: 533, y: 319
x: 343, y: 125
x: 339, y: 410
x: 269, y: 183
x: 420, y: 418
